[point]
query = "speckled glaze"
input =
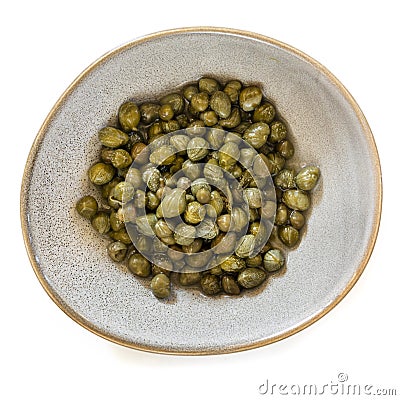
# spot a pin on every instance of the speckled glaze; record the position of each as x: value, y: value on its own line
x: 328, y: 129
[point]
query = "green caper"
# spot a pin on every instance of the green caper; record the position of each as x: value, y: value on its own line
x: 228, y: 154
x: 191, y: 169
x: 113, y: 137
x: 87, y: 207
x: 207, y: 229
x: 245, y: 246
x: 254, y: 228
x: 209, y: 118
x: 156, y: 129
x: 285, y: 149
x: 149, y: 112
x: 176, y: 101
x: 215, y: 137
x: 229, y: 241
x: 256, y: 134
x: 139, y: 265
x: 281, y: 215
x: 151, y: 176
x: 224, y: 222
x: 123, y: 192
x: 296, y: 199
x: 163, y: 155
x: 184, y: 234
x: 174, y: 203
x: 213, y: 173
x: 251, y: 277
x: 129, y: 116
x: 275, y: 162
x: 122, y: 235
x: 264, y: 113
x: 288, y: 235
x: 278, y: 132
x: 297, y: 219
x: 307, y: 178
x: 285, y: 179
x: 193, y: 247
x: 233, y: 120
x: 117, y: 251
x: 208, y: 85
x: 166, y: 112
x: 273, y: 260
x: 198, y: 260
x: 210, y: 284
x: 106, y: 154
x: 217, y: 202
x: 101, y: 173
x: 200, y: 101
x: 170, y: 126
x: 189, y: 278
x: 229, y: 285
x: 197, y: 149
x: 121, y: 158
x: 239, y: 219
x: 221, y: 104
x: 160, y: 286
x: 233, y: 264
x: 203, y: 195
x: 152, y: 201
x: 194, y: 213
x: 106, y: 189
x: 232, y: 89
x: 253, y: 197
x: 189, y: 91
x: 162, y: 229
x: 182, y: 120
x: 250, y: 97
x: 255, y: 261
x: 146, y: 223
x: 116, y: 222
x: 101, y: 222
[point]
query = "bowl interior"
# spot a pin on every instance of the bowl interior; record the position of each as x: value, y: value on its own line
x: 327, y: 129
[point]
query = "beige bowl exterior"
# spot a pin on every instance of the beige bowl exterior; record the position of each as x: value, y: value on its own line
x: 328, y: 129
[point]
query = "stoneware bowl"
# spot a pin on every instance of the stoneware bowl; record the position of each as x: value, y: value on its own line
x: 328, y: 130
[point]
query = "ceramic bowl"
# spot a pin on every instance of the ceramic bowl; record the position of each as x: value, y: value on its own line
x: 328, y: 130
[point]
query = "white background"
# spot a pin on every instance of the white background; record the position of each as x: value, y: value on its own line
x: 44, y: 354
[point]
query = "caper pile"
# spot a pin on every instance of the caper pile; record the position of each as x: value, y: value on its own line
x: 207, y: 110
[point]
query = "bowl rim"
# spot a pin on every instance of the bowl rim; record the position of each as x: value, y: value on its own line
x: 214, y: 30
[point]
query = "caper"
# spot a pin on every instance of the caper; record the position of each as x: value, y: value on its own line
x: 106, y: 154
x: 162, y: 229
x: 250, y: 97
x: 288, y: 235
x: 229, y: 285
x: 245, y: 246
x: 176, y: 101
x: 189, y: 91
x: 285, y: 179
x: 224, y: 222
x: 285, y: 149
x: 116, y: 222
x: 136, y: 149
x: 184, y: 234
x: 256, y: 134
x: 229, y: 241
x: 101, y: 173
x: 174, y: 203
x: 208, y: 85
x: 215, y: 137
x: 278, y: 132
x: 217, y: 202
x: 149, y: 112
x: 166, y: 112
x: 163, y: 155
x: 117, y: 251
x: 193, y: 247
x: 129, y: 116
x: 106, y: 189
x: 182, y: 120
x: 199, y: 101
x: 160, y: 286
x: 253, y: 197
x: 191, y: 169
x: 189, y: 278
x: 228, y: 154
x: 198, y: 260
x: 170, y: 126
x: 233, y: 264
x: 264, y: 113
x: 146, y: 223
x: 87, y: 207
x: 232, y: 89
x: 296, y: 219
x: 251, y: 277
x: 123, y: 192
x: 207, y: 229
x: 121, y: 158
x: 122, y: 235
x: 151, y: 176
x: 275, y: 162
x: 197, y: 148
x: 273, y: 260
x: 307, y: 178
x: 221, y: 104
x: 213, y: 172
x: 112, y: 137
x: 281, y: 215
x: 156, y: 129
x: 194, y: 213
x: 255, y: 261
x: 101, y: 222
x: 139, y: 265
x: 239, y: 219
x: 203, y: 195
x: 233, y: 119
x: 210, y: 284
x: 209, y: 118
x: 296, y: 199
